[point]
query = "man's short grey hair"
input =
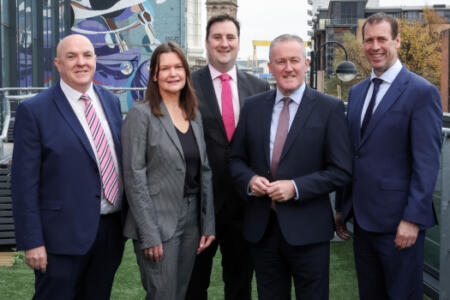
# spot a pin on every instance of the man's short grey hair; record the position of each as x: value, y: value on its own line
x: 287, y: 38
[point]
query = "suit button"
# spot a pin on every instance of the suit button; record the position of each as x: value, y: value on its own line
x: 97, y: 196
x: 357, y: 155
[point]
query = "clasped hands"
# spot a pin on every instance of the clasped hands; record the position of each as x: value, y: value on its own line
x: 278, y: 191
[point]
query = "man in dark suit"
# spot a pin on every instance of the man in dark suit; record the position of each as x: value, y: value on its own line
x: 395, y: 120
x: 66, y: 183
x: 222, y: 46
x: 290, y: 150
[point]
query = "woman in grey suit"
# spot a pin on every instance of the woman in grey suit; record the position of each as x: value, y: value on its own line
x: 167, y: 178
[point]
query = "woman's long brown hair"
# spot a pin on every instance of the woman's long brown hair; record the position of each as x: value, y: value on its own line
x: 188, y: 99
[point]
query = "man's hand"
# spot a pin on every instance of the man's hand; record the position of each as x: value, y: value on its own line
x: 36, y: 258
x: 154, y: 253
x: 205, y: 241
x: 281, y: 190
x: 259, y: 185
x: 406, y: 235
x: 341, y: 227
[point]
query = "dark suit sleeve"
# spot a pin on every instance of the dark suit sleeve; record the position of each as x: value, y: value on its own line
x: 425, y: 137
x: 25, y: 179
x: 240, y: 172
x: 343, y: 194
x: 337, y: 171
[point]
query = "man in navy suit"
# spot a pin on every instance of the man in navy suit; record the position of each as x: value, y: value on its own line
x: 290, y: 150
x: 395, y: 120
x: 66, y: 184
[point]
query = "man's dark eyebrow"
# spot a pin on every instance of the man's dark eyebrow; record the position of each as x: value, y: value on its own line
x: 84, y: 53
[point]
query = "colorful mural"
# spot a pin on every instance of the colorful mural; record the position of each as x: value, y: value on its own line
x: 124, y: 34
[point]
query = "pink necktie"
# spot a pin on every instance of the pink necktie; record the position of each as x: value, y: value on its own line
x: 108, y: 172
x: 227, y: 106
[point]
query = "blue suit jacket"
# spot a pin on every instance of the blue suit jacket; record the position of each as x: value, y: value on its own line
x: 397, y: 161
x: 316, y: 155
x: 55, y: 180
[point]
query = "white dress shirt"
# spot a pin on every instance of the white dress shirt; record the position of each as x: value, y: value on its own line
x: 78, y: 107
x: 217, y: 83
x: 388, y: 77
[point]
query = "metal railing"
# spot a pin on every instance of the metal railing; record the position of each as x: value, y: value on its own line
x: 11, y: 97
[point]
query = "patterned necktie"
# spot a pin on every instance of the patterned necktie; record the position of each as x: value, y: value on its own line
x: 280, y: 137
x: 227, y: 106
x: 108, y: 173
x: 369, y: 111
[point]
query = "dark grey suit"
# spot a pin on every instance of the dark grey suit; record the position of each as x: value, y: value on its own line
x: 154, y: 175
x: 229, y: 208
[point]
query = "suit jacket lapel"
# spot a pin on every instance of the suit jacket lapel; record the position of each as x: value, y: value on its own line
x: 393, y: 93
x: 243, y: 87
x: 63, y: 105
x: 170, y: 128
x: 198, y: 136
x: 266, y: 118
x: 354, y: 116
x: 107, y: 108
x: 303, y: 112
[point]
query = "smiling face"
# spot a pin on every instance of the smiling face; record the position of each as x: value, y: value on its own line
x: 379, y: 46
x: 222, y: 45
x: 171, y: 76
x: 288, y: 66
x: 76, y: 61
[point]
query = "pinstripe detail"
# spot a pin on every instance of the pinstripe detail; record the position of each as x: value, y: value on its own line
x: 108, y: 172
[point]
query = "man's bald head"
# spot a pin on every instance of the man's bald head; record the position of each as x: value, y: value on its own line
x: 76, y: 61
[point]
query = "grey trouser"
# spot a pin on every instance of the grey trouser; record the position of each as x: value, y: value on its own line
x: 168, y: 279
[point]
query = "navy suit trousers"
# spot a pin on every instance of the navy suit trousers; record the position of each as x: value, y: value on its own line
x: 276, y: 263
x: 385, y: 272
x: 84, y: 277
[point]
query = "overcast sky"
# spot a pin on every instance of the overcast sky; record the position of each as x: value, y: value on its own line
x: 265, y: 20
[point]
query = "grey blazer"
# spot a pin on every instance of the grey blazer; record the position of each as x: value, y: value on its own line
x: 154, y: 172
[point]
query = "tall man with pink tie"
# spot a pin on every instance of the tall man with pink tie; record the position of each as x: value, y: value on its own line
x: 66, y: 180
x: 221, y: 89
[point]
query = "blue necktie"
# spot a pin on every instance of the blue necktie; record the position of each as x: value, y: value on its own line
x: 369, y: 111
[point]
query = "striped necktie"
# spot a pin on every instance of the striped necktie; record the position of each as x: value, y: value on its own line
x: 108, y: 172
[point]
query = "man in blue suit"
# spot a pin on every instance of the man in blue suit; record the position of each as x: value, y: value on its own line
x: 290, y: 150
x: 66, y: 184
x: 395, y: 120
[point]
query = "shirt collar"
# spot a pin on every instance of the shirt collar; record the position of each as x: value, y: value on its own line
x: 390, y: 74
x: 74, y: 95
x: 296, y: 96
x: 214, y: 73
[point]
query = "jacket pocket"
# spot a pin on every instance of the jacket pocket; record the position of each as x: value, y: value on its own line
x: 50, y: 205
x: 153, y: 189
x: 394, y: 184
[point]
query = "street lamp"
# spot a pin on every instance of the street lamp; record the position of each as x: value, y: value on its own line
x: 345, y: 71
